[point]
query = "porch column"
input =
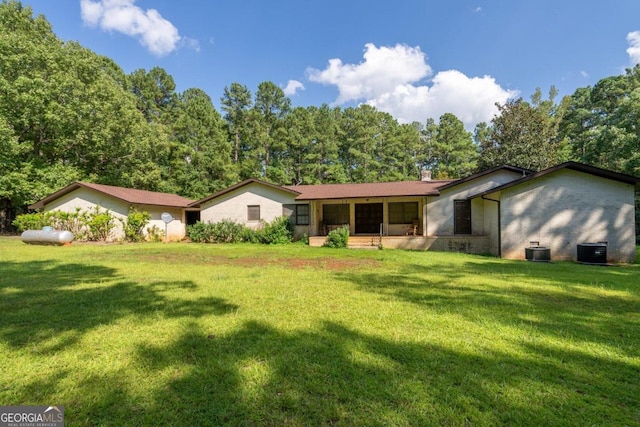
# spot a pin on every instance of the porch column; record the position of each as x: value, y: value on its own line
x: 313, y: 226
x: 424, y: 217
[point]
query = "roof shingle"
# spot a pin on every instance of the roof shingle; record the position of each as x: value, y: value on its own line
x: 378, y: 189
x: 138, y: 197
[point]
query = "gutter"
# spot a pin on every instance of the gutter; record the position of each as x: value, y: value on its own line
x: 499, y: 223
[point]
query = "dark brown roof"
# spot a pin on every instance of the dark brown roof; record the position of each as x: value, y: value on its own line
x: 197, y: 203
x: 378, y: 189
x: 137, y: 197
x: 580, y: 167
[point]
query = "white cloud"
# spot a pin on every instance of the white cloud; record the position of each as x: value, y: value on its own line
x: 192, y: 44
x: 584, y: 74
x: 153, y: 31
x: 292, y: 87
x: 381, y: 71
x: 388, y: 79
x: 634, y: 47
x: 471, y: 99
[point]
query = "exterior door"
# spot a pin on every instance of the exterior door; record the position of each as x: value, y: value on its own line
x: 368, y: 218
x: 462, y: 217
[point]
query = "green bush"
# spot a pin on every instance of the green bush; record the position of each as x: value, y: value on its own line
x: 93, y: 225
x: 249, y: 235
x: 100, y: 224
x: 199, y: 232
x: 279, y: 231
x: 303, y: 240
x: 338, y: 238
x: 33, y: 221
x: 227, y: 231
x: 70, y: 221
x: 134, y: 225
x: 155, y: 233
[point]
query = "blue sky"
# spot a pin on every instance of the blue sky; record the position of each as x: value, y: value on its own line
x: 414, y: 59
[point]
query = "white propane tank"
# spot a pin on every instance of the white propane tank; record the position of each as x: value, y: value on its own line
x: 47, y: 236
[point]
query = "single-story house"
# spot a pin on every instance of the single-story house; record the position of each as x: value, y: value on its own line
x: 119, y: 201
x: 500, y: 211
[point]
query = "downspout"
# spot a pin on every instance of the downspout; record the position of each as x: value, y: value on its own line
x: 499, y: 224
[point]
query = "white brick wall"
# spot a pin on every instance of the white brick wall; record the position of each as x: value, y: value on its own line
x: 440, y: 209
x: 234, y: 204
x: 87, y: 199
x: 565, y: 208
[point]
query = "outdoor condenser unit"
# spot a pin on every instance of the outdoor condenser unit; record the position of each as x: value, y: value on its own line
x: 592, y: 253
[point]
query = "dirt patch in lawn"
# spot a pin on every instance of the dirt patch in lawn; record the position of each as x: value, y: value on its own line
x: 334, y: 264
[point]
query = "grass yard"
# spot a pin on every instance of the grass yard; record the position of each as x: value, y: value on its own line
x: 188, y: 334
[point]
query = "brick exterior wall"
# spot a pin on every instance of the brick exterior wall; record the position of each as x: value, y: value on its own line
x: 87, y: 199
x: 564, y: 209
x: 233, y: 205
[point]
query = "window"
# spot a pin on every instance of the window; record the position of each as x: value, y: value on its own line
x: 302, y: 214
x: 297, y: 214
x: 253, y: 212
x: 335, y: 214
x: 403, y: 213
x: 462, y: 217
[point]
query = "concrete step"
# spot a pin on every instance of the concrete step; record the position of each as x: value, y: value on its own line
x: 364, y: 242
x: 363, y: 247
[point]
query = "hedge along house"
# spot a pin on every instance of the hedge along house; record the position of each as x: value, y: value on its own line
x: 499, y: 211
x: 119, y: 201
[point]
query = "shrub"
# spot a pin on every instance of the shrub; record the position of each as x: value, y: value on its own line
x: 303, y: 240
x: 155, y: 233
x: 338, y: 238
x: 249, y: 235
x: 94, y: 225
x: 227, y: 231
x: 134, y: 225
x: 70, y: 221
x: 33, y: 221
x: 100, y: 224
x: 278, y: 231
x: 198, y: 232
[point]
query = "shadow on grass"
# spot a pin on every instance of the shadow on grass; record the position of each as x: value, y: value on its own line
x: 595, y: 304
x: 44, y: 300
x: 334, y: 375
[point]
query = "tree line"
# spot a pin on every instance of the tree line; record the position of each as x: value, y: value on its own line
x: 68, y: 114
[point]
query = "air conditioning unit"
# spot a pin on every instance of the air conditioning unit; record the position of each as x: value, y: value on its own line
x: 592, y: 253
x: 537, y: 253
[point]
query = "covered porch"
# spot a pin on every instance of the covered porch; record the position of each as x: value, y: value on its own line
x: 369, y: 217
x: 395, y: 223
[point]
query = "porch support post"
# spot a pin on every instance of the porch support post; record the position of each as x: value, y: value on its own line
x: 313, y: 226
x: 424, y: 217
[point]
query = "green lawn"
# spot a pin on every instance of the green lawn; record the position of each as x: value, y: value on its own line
x: 189, y: 334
